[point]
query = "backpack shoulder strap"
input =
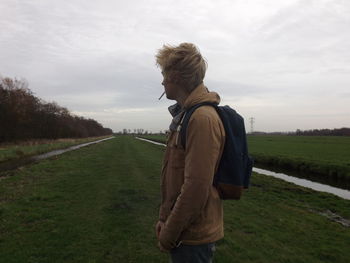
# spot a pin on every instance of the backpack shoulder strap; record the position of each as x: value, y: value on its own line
x: 186, y: 119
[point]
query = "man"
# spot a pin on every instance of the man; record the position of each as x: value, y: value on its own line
x: 191, y: 213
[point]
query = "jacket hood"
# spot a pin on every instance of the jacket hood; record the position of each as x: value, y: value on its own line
x: 201, y: 94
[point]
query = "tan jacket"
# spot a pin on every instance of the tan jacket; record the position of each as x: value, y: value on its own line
x: 191, y: 207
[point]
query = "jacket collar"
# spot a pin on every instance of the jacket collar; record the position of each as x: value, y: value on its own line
x: 201, y: 94
x: 199, y: 91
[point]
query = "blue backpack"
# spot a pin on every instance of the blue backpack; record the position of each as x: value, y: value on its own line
x: 235, y: 167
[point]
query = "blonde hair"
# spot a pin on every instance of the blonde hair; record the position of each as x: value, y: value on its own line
x: 184, y: 59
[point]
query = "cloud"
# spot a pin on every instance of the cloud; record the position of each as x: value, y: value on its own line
x: 268, y: 59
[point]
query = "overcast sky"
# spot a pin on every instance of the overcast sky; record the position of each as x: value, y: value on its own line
x: 285, y: 63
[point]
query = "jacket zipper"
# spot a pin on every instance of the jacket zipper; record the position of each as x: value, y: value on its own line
x: 178, y: 128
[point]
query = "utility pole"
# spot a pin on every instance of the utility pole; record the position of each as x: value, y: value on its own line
x: 252, y: 120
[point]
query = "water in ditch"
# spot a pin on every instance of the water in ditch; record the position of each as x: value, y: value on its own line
x: 343, y: 193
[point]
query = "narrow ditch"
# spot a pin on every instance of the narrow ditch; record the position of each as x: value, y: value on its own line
x: 343, y: 193
x: 301, y: 182
x: 14, y: 164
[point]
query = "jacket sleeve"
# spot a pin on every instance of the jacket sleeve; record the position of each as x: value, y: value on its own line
x: 203, y: 146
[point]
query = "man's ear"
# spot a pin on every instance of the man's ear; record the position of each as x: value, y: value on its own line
x: 175, y: 77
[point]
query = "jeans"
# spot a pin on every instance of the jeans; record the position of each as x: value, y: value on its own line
x: 193, y: 253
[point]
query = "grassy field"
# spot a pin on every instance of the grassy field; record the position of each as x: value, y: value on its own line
x: 328, y: 156
x: 100, y: 203
x: 11, y: 151
x: 325, y: 155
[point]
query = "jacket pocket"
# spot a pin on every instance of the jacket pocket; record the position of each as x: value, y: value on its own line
x: 177, y: 158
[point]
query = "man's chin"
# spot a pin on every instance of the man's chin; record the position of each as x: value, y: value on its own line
x: 169, y: 97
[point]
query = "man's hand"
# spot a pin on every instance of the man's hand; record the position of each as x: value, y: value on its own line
x: 161, y: 248
x: 159, y: 227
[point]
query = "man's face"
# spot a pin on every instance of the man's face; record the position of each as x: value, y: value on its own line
x: 169, y: 87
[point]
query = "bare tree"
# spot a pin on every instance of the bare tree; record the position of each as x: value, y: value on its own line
x: 24, y: 116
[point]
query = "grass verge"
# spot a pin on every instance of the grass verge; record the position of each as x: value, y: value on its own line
x: 13, y: 151
x: 100, y: 203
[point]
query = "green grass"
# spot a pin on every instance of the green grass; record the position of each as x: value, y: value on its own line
x: 14, y: 151
x: 327, y: 156
x: 100, y: 204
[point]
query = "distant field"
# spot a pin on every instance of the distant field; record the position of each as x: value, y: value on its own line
x: 10, y: 151
x: 324, y: 155
x: 100, y: 204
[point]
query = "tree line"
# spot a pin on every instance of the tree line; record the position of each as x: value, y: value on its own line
x: 24, y: 116
x: 313, y: 132
x: 325, y: 132
x: 139, y: 132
